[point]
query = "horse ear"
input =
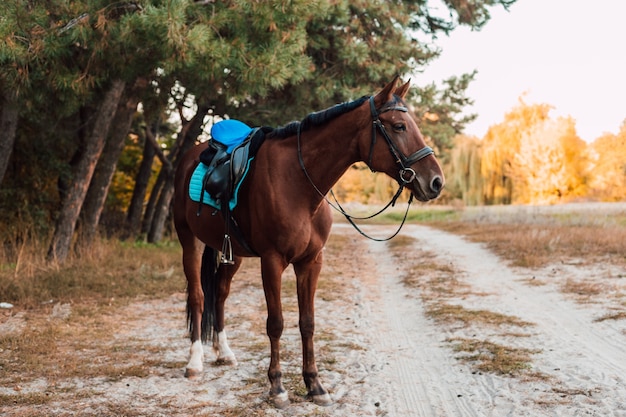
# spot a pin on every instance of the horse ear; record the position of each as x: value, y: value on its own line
x: 403, y: 89
x: 386, y: 94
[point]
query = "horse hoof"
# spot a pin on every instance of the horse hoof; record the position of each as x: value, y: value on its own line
x: 226, y: 361
x: 280, y: 401
x: 324, y: 399
x: 193, y: 373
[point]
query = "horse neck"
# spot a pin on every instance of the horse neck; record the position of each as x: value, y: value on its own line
x: 329, y: 150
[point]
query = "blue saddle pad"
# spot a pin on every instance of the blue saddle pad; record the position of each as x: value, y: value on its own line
x: 195, y: 187
x: 230, y: 132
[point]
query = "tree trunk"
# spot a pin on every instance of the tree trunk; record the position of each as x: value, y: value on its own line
x: 135, y: 210
x: 99, y: 187
x: 186, y: 139
x: 146, y: 223
x: 162, y: 209
x: 8, y: 127
x: 81, y: 177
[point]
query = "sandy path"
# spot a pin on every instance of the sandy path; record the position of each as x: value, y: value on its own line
x: 586, y: 360
x: 413, y: 347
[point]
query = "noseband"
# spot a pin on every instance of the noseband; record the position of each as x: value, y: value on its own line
x: 403, y: 162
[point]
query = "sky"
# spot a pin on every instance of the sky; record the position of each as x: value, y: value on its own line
x: 570, y: 54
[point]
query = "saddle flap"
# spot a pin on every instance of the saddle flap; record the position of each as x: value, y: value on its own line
x: 225, y: 171
x: 239, y: 160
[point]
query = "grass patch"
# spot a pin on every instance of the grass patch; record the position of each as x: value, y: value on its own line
x: 533, y: 245
x: 620, y: 315
x: 449, y: 313
x: 494, y: 358
x: 394, y: 215
x: 341, y: 269
x: 439, y: 282
x: 435, y: 280
x: 113, y: 271
x: 31, y: 398
x: 582, y: 289
x: 420, y: 215
x: 400, y: 242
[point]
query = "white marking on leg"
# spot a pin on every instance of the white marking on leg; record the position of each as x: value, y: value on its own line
x: 196, y: 359
x: 220, y: 345
x: 280, y: 400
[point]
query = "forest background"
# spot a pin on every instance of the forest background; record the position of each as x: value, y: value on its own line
x: 99, y: 99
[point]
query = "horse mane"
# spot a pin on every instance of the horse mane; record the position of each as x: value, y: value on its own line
x: 317, y: 118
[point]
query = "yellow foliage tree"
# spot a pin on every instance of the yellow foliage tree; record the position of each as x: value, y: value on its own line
x: 550, y: 164
x: 501, y: 144
x: 608, y: 167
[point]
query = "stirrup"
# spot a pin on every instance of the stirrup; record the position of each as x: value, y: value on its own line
x: 227, y: 251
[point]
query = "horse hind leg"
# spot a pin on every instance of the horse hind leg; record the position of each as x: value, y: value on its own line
x: 207, y: 290
x: 224, y: 277
x: 195, y: 302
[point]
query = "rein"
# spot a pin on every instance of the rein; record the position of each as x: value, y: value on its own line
x: 403, y: 162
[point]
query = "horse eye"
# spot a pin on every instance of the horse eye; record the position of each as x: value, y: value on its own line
x: 399, y: 127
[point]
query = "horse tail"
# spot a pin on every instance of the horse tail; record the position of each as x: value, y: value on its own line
x: 209, y: 283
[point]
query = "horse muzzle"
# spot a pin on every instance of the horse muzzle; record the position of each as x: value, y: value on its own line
x: 426, y: 189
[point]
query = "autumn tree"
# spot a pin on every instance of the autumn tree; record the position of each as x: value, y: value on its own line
x: 500, y: 146
x: 550, y: 165
x: 607, y: 169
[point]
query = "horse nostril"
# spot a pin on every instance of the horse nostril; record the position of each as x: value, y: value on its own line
x: 436, y: 184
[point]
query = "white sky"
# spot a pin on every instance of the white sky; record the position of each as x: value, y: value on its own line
x: 570, y: 54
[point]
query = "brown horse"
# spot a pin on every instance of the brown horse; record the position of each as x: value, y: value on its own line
x: 285, y: 219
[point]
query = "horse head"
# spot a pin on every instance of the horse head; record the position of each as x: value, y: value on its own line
x: 397, y: 146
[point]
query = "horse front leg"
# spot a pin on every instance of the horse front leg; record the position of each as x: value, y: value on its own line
x: 307, y: 274
x: 272, y: 270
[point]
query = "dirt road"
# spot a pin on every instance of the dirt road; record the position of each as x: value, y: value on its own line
x: 378, y: 351
x: 582, y: 361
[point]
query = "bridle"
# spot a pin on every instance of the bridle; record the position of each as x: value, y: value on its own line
x: 403, y: 162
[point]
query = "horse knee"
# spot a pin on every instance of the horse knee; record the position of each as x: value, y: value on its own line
x: 274, y: 327
x: 307, y: 326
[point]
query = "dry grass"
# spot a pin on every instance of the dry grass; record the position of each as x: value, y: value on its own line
x: 75, y: 347
x: 619, y: 315
x: 112, y: 271
x: 434, y: 280
x: 449, y: 313
x: 534, y: 240
x: 494, y: 358
x: 583, y: 289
